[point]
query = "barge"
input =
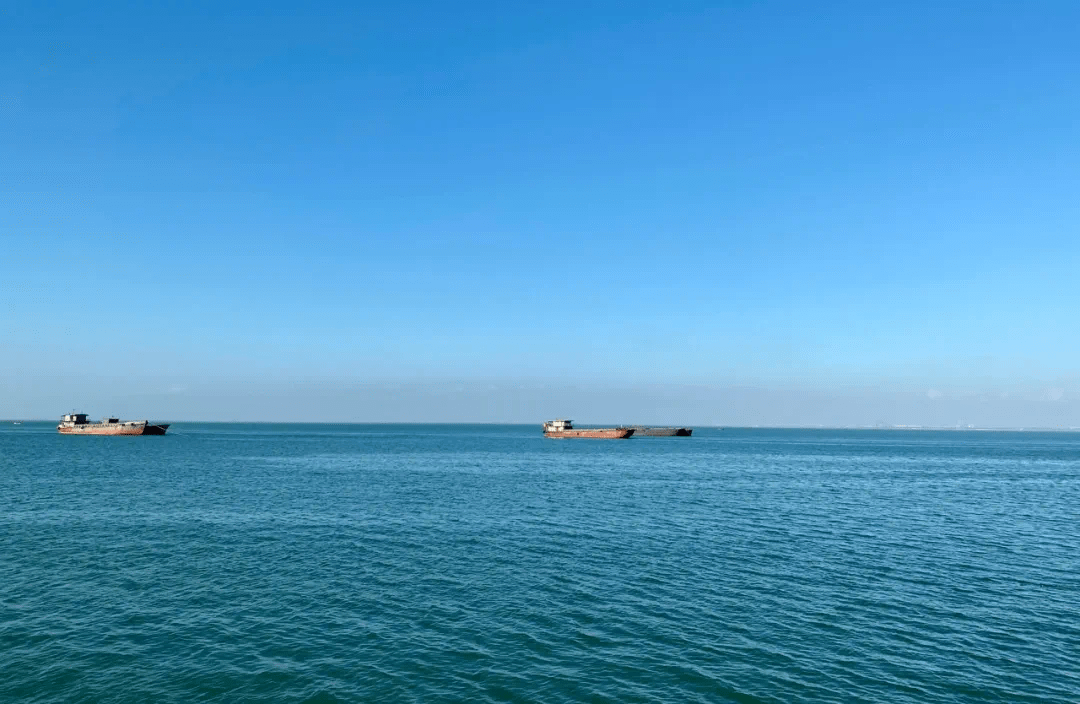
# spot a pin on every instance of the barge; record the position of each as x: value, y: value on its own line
x: 565, y: 429
x: 79, y: 424
x: 662, y: 432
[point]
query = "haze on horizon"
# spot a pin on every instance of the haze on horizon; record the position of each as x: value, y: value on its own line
x: 694, y: 212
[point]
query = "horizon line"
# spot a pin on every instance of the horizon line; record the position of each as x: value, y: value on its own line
x: 900, y: 427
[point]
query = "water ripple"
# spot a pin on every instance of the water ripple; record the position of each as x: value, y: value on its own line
x: 234, y: 563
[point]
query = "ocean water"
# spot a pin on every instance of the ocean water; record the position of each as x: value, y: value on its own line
x: 353, y: 563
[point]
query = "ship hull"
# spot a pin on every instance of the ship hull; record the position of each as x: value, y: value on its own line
x: 663, y: 432
x: 115, y: 429
x: 592, y: 433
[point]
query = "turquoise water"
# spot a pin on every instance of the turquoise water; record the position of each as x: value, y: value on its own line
x: 323, y: 563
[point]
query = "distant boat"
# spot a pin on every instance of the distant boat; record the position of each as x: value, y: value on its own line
x: 16, y: 422
x: 79, y: 424
x: 565, y: 429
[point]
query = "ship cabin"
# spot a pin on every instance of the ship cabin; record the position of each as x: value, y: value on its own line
x: 76, y: 418
x: 556, y: 425
x: 111, y: 420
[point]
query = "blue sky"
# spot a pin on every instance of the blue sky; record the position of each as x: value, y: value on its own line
x: 592, y: 204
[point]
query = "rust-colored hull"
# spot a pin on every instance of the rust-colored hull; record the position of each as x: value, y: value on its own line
x: 593, y: 433
x: 115, y: 429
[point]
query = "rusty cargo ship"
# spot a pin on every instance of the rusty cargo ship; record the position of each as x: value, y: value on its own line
x: 565, y: 429
x: 79, y: 424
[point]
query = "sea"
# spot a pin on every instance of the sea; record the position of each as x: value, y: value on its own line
x: 485, y: 563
